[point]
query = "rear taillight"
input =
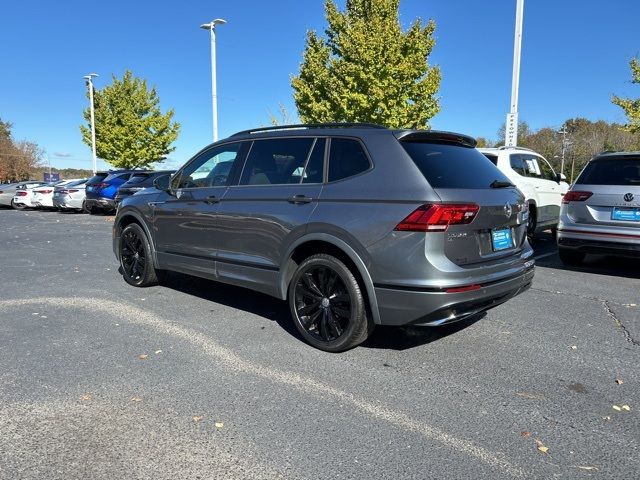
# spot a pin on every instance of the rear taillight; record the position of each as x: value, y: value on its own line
x: 101, y: 185
x: 438, y: 217
x: 21, y: 194
x: 44, y: 191
x: 71, y: 191
x: 576, y: 196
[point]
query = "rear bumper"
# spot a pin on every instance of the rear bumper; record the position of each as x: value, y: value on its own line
x: 103, y: 203
x: 599, y: 242
x: 432, y: 307
x: 67, y: 203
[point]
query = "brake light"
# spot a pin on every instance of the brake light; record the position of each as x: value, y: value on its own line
x: 101, y: 185
x: 44, y: 191
x: 437, y: 217
x: 576, y: 196
x: 21, y: 194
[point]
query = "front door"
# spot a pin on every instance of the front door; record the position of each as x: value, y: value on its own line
x: 278, y: 190
x: 185, y: 224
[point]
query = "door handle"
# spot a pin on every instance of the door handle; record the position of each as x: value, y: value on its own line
x: 300, y: 199
x: 211, y: 200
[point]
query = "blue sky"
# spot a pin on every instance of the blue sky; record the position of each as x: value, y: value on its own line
x: 575, y: 55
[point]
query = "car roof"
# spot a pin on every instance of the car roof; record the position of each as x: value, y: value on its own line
x: 616, y: 155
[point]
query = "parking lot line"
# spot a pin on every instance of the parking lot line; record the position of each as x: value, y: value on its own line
x: 230, y: 360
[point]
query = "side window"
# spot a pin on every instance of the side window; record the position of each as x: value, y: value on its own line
x: 346, y: 159
x: 210, y: 169
x: 517, y: 164
x: 313, y: 172
x: 546, y: 170
x: 276, y: 162
x: 532, y: 168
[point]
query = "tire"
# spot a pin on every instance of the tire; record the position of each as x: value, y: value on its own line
x: 18, y: 206
x: 327, y: 305
x: 570, y: 257
x: 532, y: 225
x: 136, y: 257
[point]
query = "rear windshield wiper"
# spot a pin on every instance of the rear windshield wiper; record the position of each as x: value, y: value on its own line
x: 501, y: 184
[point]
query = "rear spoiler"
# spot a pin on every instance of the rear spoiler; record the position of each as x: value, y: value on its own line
x: 435, y: 136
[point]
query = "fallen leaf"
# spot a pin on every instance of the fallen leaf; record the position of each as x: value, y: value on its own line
x: 617, y: 408
x: 197, y: 419
x: 219, y: 424
x: 586, y: 467
x: 543, y: 449
x: 85, y: 398
x: 158, y: 352
x: 143, y: 356
x: 619, y: 381
x: 626, y: 407
x: 525, y: 434
x: 136, y: 399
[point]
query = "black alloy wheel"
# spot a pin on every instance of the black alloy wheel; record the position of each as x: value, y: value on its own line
x: 327, y: 304
x: 135, y: 257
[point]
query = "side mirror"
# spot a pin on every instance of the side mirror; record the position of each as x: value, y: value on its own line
x: 561, y: 177
x: 163, y: 182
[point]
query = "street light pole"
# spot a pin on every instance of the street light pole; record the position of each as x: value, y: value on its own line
x: 211, y: 26
x: 564, y: 146
x: 89, y: 79
x: 511, y: 126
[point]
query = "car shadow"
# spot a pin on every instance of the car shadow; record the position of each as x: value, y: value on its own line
x: 546, y: 249
x: 270, y: 308
x: 410, y: 336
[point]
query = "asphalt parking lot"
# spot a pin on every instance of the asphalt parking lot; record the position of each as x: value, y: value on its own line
x: 197, y: 380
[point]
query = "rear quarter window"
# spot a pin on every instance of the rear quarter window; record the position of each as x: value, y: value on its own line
x: 347, y: 158
x: 453, y: 166
x: 619, y: 171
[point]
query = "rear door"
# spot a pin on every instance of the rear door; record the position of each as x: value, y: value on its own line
x: 277, y: 192
x: 462, y: 175
x: 547, y: 190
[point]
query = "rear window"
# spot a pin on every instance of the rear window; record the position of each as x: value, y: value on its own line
x: 122, y: 176
x: 97, y: 178
x: 619, y: 171
x: 138, y: 178
x: 452, y: 166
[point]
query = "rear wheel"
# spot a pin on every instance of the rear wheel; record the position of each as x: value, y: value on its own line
x: 327, y: 305
x: 570, y: 257
x: 136, y: 258
x: 18, y: 206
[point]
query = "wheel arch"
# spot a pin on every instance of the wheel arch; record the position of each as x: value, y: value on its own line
x: 324, y: 243
x: 129, y: 217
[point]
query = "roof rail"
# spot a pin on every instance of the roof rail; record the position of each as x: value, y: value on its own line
x: 505, y: 147
x: 309, y: 125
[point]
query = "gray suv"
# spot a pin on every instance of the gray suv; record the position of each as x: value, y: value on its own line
x: 355, y: 225
x: 601, y: 212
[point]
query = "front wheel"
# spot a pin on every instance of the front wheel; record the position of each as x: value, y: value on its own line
x: 18, y: 206
x: 327, y: 305
x: 136, y: 258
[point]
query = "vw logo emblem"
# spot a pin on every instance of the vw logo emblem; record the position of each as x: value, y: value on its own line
x: 507, y: 210
x: 628, y: 197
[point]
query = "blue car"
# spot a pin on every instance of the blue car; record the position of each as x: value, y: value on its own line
x: 102, y: 188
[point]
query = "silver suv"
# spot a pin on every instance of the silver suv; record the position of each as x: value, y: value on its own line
x: 601, y: 212
x: 354, y: 224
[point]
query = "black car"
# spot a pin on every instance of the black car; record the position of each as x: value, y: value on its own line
x: 137, y: 182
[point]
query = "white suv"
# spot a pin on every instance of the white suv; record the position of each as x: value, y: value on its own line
x: 534, y: 176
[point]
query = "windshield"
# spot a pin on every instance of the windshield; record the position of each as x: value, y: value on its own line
x: 616, y: 171
x: 453, y: 166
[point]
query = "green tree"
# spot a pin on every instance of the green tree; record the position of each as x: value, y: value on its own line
x: 131, y: 130
x: 368, y: 69
x: 631, y: 107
